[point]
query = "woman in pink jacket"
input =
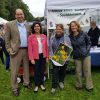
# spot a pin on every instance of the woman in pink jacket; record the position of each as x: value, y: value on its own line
x: 38, y: 54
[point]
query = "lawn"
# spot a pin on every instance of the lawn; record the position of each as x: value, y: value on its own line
x: 69, y: 93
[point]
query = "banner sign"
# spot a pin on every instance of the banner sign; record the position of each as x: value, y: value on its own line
x: 65, y: 16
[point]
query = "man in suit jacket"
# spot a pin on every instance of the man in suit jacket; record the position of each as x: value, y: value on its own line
x: 17, y: 32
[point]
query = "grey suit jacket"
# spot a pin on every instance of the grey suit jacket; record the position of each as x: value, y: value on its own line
x: 12, y: 37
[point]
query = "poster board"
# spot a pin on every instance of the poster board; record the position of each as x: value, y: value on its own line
x: 61, y: 55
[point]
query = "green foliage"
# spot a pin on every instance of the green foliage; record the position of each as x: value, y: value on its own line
x: 3, y: 9
x: 7, y: 9
x: 39, y: 19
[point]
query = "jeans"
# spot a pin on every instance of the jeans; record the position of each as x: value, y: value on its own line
x: 39, y: 68
x: 1, y: 56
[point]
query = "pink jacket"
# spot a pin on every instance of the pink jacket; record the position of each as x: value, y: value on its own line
x: 33, y: 47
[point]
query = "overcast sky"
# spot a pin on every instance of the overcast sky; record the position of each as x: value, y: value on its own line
x: 36, y: 7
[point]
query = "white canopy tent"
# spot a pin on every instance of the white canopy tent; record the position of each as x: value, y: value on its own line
x: 72, y: 4
x: 52, y: 15
x: 91, y: 10
x: 3, y: 21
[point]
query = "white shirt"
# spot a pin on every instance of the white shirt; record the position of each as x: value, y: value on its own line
x: 40, y: 45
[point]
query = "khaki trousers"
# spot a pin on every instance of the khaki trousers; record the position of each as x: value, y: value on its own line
x: 83, y: 64
x: 20, y: 58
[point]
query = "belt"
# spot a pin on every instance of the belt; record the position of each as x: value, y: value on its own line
x: 23, y: 48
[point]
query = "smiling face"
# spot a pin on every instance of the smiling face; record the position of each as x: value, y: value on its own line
x: 74, y: 27
x: 37, y: 28
x: 19, y: 15
x: 59, y: 29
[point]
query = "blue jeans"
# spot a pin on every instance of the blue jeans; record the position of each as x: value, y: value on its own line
x: 7, y: 62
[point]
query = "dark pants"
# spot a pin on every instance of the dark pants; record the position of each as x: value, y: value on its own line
x: 39, y: 68
x: 1, y: 56
x: 58, y: 75
x: 7, y: 63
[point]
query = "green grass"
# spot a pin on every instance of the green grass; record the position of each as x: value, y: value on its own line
x: 69, y: 93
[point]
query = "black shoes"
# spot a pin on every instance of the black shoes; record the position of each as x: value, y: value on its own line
x: 16, y: 93
x: 79, y: 88
x: 28, y: 86
x: 89, y: 90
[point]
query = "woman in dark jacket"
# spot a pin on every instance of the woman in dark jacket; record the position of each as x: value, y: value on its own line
x: 81, y: 47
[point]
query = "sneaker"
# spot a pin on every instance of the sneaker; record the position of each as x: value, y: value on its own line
x: 61, y: 85
x: 42, y: 87
x: 7, y: 71
x: 18, y: 79
x: 36, y: 89
x: 53, y: 90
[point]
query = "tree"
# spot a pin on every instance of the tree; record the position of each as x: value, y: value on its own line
x: 3, y: 9
x: 8, y: 7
